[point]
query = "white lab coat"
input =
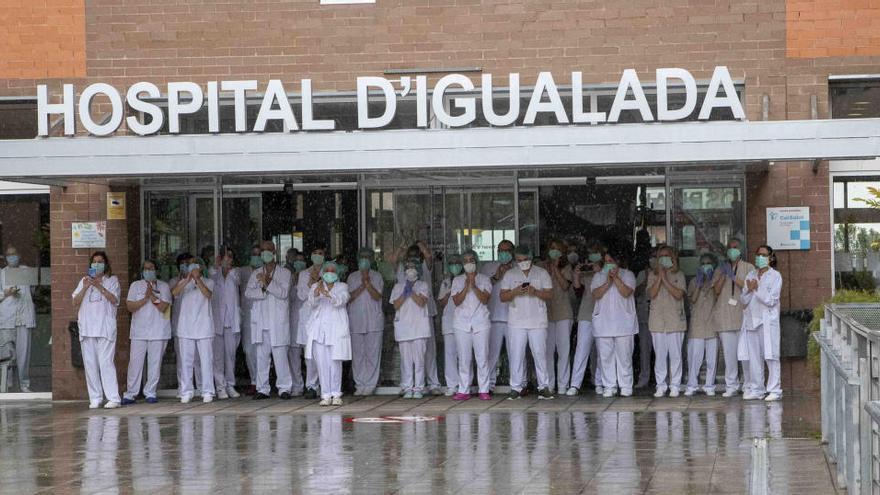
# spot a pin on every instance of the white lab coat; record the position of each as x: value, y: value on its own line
x: 411, y: 321
x: 97, y: 316
x: 328, y: 322
x: 16, y: 311
x: 447, y: 320
x: 425, y: 277
x: 270, y: 311
x: 225, y: 301
x: 148, y: 323
x: 295, y: 306
x: 302, y: 293
x: 365, y: 313
x: 196, y: 314
x: 761, y: 314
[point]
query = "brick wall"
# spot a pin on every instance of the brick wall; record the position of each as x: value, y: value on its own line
x: 42, y: 39
x: 832, y: 28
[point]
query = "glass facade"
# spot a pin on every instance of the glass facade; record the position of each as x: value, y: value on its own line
x: 856, y: 232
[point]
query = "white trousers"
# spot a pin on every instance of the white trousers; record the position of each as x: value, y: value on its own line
x: 517, y: 341
x: 582, y: 354
x: 412, y: 364
x: 559, y: 342
x: 450, y: 361
x: 23, y: 355
x: 645, y: 346
x: 249, y: 348
x: 329, y: 370
x: 366, y: 359
x: 151, y: 351
x: 431, y: 360
x: 196, y: 363
x: 98, y: 358
x: 496, y: 343
x: 729, y: 345
x: 266, y: 353
x: 473, y: 346
x: 224, y: 359
x: 615, y: 358
x: 311, y: 374
x: 295, y: 359
x: 667, y: 346
x: 755, y: 342
x: 205, y: 350
x: 697, y: 350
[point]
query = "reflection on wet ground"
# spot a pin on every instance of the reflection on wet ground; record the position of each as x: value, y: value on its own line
x: 584, y: 445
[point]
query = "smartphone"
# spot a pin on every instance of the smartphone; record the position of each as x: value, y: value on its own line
x: 93, y: 273
x: 525, y: 285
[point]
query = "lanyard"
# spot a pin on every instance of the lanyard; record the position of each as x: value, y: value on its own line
x: 733, y: 280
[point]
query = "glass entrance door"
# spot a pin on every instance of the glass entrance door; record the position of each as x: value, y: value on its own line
x: 178, y: 222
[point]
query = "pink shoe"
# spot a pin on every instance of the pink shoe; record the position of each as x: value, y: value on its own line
x: 461, y: 396
x: 485, y: 396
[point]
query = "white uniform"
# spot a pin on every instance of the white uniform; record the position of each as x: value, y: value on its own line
x: 245, y: 307
x: 227, y: 326
x: 366, y: 322
x: 472, y: 329
x: 270, y: 327
x: 585, y: 338
x: 175, y: 318
x: 431, y: 345
x: 302, y: 292
x: 527, y: 326
x: 614, y: 324
x: 498, y: 314
x: 195, y: 331
x: 97, y: 336
x: 447, y: 328
x: 18, y: 315
x: 329, y: 342
x: 150, y: 332
x: 412, y: 329
x: 761, y: 332
x: 295, y: 350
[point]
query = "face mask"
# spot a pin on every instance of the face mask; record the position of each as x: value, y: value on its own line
x: 267, y: 256
x: 524, y: 265
x: 226, y: 262
x: 195, y: 266
x: 256, y: 261
x: 330, y: 277
x: 455, y: 268
x: 149, y: 275
x: 594, y: 257
x: 505, y: 256
x: 364, y: 264
x: 299, y: 265
x: 183, y: 268
x: 12, y: 260
x: 554, y: 253
x: 762, y: 261
x: 573, y: 258
x: 708, y: 268
x: 733, y: 254
x: 470, y: 267
x: 343, y: 269
x: 412, y: 274
x: 608, y: 267
x: 98, y: 267
x: 317, y: 259
x: 666, y: 261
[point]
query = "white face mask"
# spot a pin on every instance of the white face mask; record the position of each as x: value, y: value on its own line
x: 412, y: 274
x: 524, y: 265
x: 470, y: 267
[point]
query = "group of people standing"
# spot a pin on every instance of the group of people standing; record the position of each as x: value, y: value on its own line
x: 309, y: 314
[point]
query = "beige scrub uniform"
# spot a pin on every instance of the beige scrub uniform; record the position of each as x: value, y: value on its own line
x: 727, y: 317
x: 668, y: 324
x: 585, y: 337
x: 559, y: 316
x: 367, y: 323
x: 702, y: 339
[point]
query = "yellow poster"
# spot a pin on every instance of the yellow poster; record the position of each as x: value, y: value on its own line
x: 115, y: 206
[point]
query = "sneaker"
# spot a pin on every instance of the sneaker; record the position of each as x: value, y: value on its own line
x: 772, y: 397
x: 689, y: 392
x: 545, y: 394
x: 94, y: 404
x: 336, y: 401
x: 436, y: 391
x: 184, y: 399
x: 729, y: 393
x: 127, y: 402
x: 325, y: 402
x: 284, y: 396
x: 260, y: 396
x: 608, y: 393
x: 673, y: 393
x: 659, y: 393
x: 572, y: 391
x: 311, y: 394
x: 222, y: 395
x: 24, y: 389
x: 485, y: 396
x: 418, y: 395
x: 207, y: 398
x: 600, y: 390
x: 231, y: 392
x: 152, y: 400
x: 368, y: 391
x: 461, y: 396
x: 111, y: 405
x: 450, y: 392
x: 710, y: 393
x: 514, y: 395
x: 408, y: 394
x: 358, y: 392
x: 752, y: 396
x: 626, y: 393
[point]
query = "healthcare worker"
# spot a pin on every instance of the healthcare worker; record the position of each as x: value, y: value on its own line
x: 305, y: 283
x: 643, y: 311
x: 149, y: 302
x: 527, y: 288
x: 583, y: 278
x: 246, y: 305
x: 667, y: 321
x: 366, y: 323
x: 614, y: 324
x: 195, y: 329
x: 470, y: 296
x: 495, y: 270
x: 702, y: 344
x: 447, y: 324
x: 96, y: 298
x: 760, y: 341
x: 295, y: 264
x: 183, y: 262
x: 18, y: 314
x: 269, y: 289
x: 329, y: 341
x: 559, y: 316
x: 728, y: 312
x: 412, y: 327
x: 227, y: 323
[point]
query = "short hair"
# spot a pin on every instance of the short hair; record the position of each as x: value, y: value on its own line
x: 107, y: 270
x: 183, y: 257
x: 522, y: 250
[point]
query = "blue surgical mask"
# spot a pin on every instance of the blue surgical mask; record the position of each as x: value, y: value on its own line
x: 256, y: 261
x: 330, y: 277
x: 554, y: 253
x: 608, y: 267
x: 267, y: 256
x: 149, y: 275
x: 708, y: 268
x: 317, y: 259
x: 98, y: 267
x: 194, y: 266
x: 299, y: 265
x: 342, y: 270
x: 666, y: 261
x: 594, y: 257
x: 13, y: 260
x: 183, y: 268
x: 762, y: 261
x: 364, y: 264
x: 505, y: 256
x: 455, y: 269
x: 733, y: 254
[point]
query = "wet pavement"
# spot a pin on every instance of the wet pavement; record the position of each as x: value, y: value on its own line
x: 390, y: 445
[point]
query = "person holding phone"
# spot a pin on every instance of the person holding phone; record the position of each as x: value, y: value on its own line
x: 196, y: 330
x: 615, y: 323
x: 148, y: 301
x: 96, y: 298
x: 18, y: 315
x: 760, y: 328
